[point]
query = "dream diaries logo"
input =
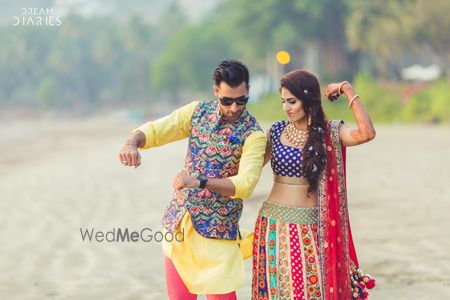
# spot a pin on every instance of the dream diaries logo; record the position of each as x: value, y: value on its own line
x: 37, y: 17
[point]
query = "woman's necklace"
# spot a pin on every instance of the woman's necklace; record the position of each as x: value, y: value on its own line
x: 296, y: 137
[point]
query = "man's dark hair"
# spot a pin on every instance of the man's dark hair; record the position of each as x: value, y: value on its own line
x: 233, y: 72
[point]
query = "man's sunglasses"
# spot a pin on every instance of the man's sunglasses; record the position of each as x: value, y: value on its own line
x: 227, y: 101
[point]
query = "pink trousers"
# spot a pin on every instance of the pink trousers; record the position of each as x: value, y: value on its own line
x: 177, y: 290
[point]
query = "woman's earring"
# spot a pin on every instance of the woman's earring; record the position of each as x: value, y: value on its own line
x: 309, y: 120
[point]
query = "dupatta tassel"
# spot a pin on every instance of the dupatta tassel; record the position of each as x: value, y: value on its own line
x: 361, y: 283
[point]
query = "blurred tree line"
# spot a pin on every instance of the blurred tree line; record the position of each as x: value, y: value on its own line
x: 98, y: 61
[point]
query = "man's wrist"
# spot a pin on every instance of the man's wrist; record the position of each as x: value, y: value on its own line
x: 202, y: 182
x: 137, y: 139
x: 131, y: 142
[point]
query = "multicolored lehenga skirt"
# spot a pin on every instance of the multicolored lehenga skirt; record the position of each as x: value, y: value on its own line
x: 285, y: 253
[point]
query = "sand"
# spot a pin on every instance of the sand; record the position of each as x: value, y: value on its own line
x: 58, y: 176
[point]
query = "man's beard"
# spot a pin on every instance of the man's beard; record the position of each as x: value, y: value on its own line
x: 227, y: 119
x: 233, y: 118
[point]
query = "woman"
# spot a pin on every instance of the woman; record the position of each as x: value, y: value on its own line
x: 302, y: 246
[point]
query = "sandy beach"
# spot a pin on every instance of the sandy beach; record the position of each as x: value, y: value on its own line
x: 58, y: 176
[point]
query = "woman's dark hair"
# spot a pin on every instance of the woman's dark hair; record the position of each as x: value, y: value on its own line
x: 305, y: 86
x: 233, y: 72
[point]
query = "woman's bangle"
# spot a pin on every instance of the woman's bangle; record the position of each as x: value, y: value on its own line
x: 351, y: 100
x: 340, y: 86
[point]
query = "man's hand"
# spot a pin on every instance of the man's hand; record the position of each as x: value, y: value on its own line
x: 129, y: 155
x: 182, y: 181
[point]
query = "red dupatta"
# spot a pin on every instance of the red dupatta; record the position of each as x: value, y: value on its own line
x: 341, y: 278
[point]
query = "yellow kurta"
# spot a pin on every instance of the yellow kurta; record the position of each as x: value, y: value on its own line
x: 208, y: 266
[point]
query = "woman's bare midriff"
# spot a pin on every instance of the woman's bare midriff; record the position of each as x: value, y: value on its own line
x: 292, y: 195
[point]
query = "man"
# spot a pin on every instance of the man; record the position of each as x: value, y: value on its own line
x: 222, y: 166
